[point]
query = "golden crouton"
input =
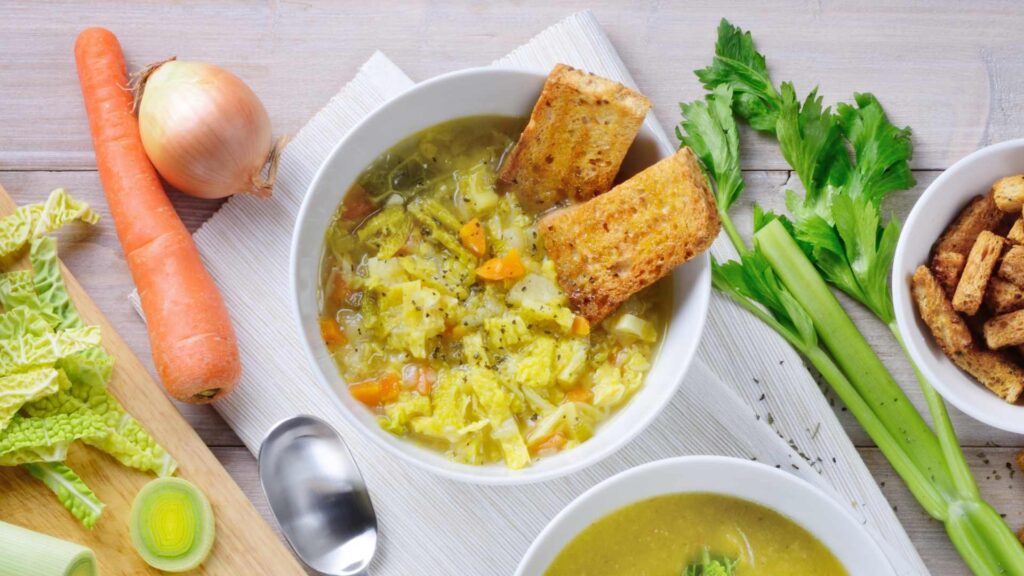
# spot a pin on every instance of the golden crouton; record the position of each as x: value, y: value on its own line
x: 948, y: 328
x: 970, y: 291
x: 1003, y: 296
x: 980, y: 214
x: 573, y: 146
x: 1005, y: 330
x: 1016, y: 233
x: 1012, y: 267
x: 995, y: 369
x: 610, y: 247
x: 947, y: 267
x: 1008, y: 193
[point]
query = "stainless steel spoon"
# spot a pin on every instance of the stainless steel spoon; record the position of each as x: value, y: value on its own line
x: 318, y: 496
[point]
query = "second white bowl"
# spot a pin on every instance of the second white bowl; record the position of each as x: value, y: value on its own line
x: 934, y: 211
x: 784, y: 493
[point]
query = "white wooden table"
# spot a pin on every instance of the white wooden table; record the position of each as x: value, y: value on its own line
x: 954, y: 72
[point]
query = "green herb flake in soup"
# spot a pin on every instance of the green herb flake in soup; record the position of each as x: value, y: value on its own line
x: 695, y: 534
x: 443, y: 314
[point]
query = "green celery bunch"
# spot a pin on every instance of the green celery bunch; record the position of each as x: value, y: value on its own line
x: 848, y: 161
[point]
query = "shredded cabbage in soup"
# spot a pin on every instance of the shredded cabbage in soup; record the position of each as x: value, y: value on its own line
x: 473, y: 353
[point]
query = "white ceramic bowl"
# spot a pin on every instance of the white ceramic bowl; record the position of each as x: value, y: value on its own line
x: 459, y: 94
x: 936, y: 209
x: 784, y: 493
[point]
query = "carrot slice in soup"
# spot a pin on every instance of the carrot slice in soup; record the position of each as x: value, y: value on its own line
x: 507, y: 267
x: 473, y: 238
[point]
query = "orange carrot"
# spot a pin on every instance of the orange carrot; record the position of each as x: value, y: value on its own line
x: 552, y: 443
x: 580, y: 326
x: 507, y: 267
x: 357, y: 204
x: 473, y: 237
x: 331, y: 333
x: 190, y: 332
x: 579, y: 394
x: 373, y: 393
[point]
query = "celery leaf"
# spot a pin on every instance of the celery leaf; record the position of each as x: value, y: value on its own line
x: 709, y: 129
x: 738, y: 64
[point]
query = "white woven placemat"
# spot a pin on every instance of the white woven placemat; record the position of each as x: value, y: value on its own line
x: 436, y: 527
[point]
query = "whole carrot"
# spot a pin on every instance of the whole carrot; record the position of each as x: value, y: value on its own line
x: 190, y: 333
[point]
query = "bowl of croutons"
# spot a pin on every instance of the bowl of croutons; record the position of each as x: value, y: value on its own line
x: 958, y: 285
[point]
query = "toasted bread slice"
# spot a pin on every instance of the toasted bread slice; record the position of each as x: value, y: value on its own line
x: 970, y: 291
x: 1012, y: 267
x: 947, y: 268
x: 1008, y: 193
x: 607, y: 249
x: 950, y: 332
x: 995, y: 369
x: 980, y: 214
x: 1005, y: 330
x: 577, y: 137
x: 1003, y: 296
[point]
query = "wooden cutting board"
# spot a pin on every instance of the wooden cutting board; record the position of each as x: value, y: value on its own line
x: 245, y: 544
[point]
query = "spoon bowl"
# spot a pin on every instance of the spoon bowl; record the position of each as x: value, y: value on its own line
x: 318, y: 496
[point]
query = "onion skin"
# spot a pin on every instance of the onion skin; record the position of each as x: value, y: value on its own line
x: 205, y: 131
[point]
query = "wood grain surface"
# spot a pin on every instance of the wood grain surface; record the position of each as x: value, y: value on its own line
x: 245, y: 543
x: 951, y: 70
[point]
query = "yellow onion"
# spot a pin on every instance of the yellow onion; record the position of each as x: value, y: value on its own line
x: 204, y: 130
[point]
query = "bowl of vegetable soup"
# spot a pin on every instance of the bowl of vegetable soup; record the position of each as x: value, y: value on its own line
x: 704, y: 515
x: 434, y: 305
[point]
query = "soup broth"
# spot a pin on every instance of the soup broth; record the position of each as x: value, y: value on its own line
x: 663, y: 535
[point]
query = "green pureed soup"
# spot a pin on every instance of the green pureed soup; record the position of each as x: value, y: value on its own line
x: 663, y: 536
x: 444, y: 316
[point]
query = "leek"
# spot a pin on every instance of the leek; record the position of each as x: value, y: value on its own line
x: 835, y: 235
x: 27, y: 553
x: 172, y: 525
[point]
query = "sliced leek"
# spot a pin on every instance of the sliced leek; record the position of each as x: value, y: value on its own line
x: 172, y: 525
x: 27, y: 553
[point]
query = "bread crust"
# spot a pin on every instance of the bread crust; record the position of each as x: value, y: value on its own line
x: 1008, y: 193
x: 970, y: 291
x: 947, y: 268
x: 609, y: 248
x: 980, y: 214
x: 579, y: 132
x: 949, y: 329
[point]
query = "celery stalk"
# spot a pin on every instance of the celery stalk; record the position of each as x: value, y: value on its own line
x: 852, y: 352
x: 980, y: 535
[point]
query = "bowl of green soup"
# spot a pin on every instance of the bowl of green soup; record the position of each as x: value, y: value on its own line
x: 704, y: 515
x: 431, y: 312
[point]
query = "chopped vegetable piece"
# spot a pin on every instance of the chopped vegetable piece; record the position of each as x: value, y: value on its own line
x: 373, y: 393
x: 553, y: 443
x: 34, y: 220
x: 331, y: 332
x: 17, y: 389
x: 172, y: 525
x: 711, y: 566
x: 25, y: 352
x: 473, y: 237
x: 357, y: 204
x: 27, y: 553
x: 70, y: 490
x: 507, y: 267
x: 580, y: 394
x: 580, y: 326
x: 632, y: 325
